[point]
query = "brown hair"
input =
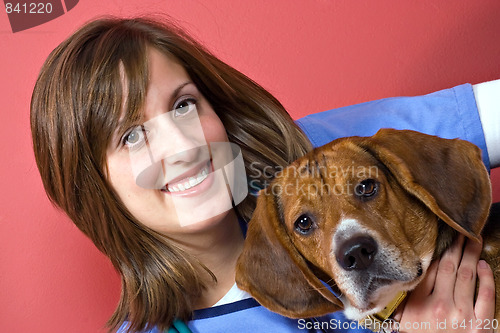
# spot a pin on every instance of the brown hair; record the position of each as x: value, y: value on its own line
x: 75, y: 107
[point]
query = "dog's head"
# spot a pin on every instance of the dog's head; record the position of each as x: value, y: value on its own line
x: 362, y: 215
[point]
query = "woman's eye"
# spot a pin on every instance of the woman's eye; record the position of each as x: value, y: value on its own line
x: 134, y: 137
x: 184, y: 107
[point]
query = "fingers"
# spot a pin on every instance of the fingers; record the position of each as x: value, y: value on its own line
x: 446, y: 294
x: 447, y: 269
x: 485, y: 303
x: 465, y: 286
x: 419, y: 297
x: 426, y: 287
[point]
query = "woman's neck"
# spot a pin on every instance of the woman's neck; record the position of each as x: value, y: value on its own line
x: 218, y: 248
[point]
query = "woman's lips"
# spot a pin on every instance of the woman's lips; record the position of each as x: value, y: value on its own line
x: 184, y: 185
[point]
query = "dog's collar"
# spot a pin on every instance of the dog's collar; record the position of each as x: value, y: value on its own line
x: 377, y: 322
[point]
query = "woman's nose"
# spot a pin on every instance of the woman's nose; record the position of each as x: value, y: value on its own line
x: 178, y: 143
x: 183, y: 150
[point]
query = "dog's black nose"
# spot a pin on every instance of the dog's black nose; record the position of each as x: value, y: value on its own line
x: 356, y: 253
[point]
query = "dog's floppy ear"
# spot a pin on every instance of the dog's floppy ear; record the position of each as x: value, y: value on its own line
x: 272, y: 270
x: 447, y: 175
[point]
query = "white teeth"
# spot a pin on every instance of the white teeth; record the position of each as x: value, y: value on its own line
x: 191, y: 182
x: 200, y: 178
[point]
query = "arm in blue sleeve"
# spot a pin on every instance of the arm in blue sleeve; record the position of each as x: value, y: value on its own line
x: 450, y: 113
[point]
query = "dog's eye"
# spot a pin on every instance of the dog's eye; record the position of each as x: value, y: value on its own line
x: 366, y: 189
x: 304, y: 224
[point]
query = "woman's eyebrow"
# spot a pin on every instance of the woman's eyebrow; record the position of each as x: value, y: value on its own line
x: 179, y: 88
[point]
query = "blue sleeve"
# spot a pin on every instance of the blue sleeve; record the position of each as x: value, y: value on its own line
x: 123, y: 329
x: 450, y: 113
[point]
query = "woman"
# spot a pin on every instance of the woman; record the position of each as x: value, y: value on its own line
x: 99, y: 103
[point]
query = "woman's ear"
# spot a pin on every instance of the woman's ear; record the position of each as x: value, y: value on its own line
x: 448, y: 176
x: 273, y: 271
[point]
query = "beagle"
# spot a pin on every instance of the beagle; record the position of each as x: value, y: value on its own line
x: 366, y: 216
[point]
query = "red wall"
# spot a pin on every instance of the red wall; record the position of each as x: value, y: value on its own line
x: 313, y: 55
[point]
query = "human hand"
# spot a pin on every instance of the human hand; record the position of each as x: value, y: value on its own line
x: 444, y: 301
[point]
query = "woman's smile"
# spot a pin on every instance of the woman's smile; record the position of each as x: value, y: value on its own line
x: 192, y: 181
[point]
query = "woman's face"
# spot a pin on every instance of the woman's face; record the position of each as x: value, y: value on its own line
x: 162, y: 169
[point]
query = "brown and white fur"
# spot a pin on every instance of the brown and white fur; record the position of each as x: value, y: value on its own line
x: 366, y: 215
